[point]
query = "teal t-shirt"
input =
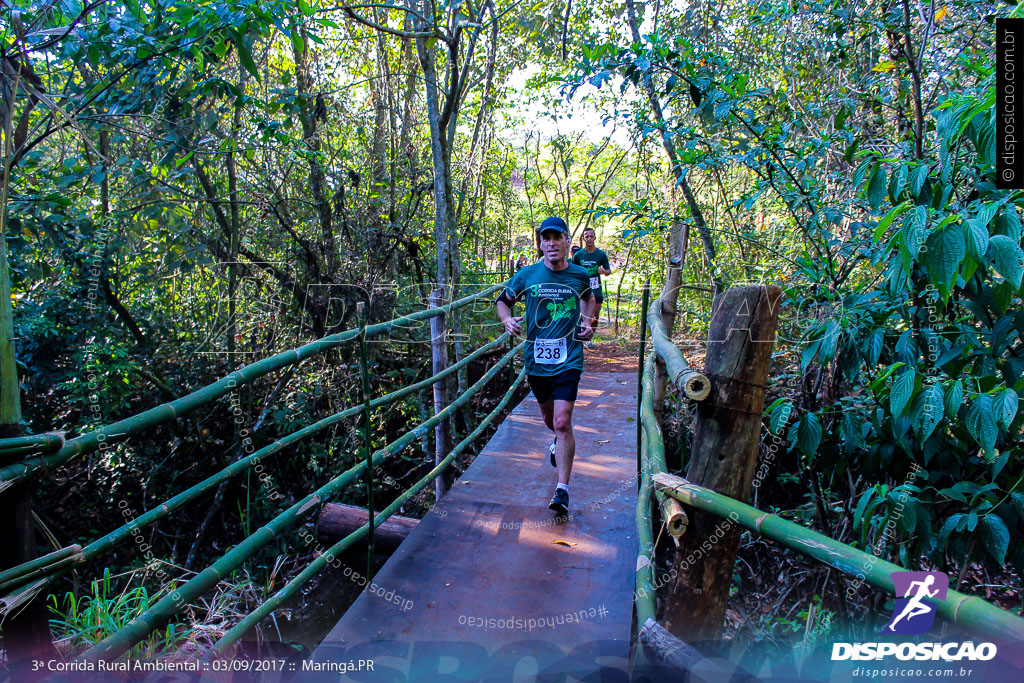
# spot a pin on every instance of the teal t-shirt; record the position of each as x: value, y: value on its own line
x: 552, y: 300
x: 591, y: 261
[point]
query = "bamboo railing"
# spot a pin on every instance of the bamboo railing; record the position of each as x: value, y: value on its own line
x: 119, y: 431
x: 264, y: 610
x: 156, y: 616
x: 694, y: 385
x: 19, y: 584
x: 15, y: 577
x: 970, y: 612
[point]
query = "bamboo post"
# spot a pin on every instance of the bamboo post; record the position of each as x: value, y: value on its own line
x: 724, y: 456
x: 693, y: 384
x: 644, y: 593
x: 364, y: 372
x: 672, y: 513
x: 439, y: 358
x: 640, y: 366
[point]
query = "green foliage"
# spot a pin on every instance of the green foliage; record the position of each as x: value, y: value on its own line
x: 904, y: 267
x: 80, y: 622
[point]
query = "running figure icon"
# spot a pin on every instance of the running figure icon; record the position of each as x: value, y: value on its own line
x: 914, y: 606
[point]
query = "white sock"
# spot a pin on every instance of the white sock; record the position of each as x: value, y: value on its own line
x: 564, y: 487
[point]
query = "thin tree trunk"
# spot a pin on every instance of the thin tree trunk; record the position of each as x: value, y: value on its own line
x: 27, y: 634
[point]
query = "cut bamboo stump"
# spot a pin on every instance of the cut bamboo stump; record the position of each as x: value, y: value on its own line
x: 341, y: 520
x: 724, y: 455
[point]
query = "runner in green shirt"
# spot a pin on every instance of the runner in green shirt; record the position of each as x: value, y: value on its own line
x: 555, y: 292
x: 596, y: 263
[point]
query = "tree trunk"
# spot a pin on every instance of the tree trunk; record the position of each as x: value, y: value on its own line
x: 439, y: 356
x: 724, y: 456
x: 27, y: 634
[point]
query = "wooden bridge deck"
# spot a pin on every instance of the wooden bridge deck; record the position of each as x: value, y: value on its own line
x: 488, y: 587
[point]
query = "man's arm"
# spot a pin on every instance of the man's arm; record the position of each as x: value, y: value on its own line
x: 589, y: 312
x: 607, y: 268
x: 510, y: 323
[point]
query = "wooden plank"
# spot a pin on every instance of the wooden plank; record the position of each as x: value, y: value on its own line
x: 339, y: 520
x: 488, y: 581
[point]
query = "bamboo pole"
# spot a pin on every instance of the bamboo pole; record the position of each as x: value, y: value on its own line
x: 8, y: 575
x: 125, y: 531
x: 644, y: 593
x: 121, y: 430
x: 640, y: 365
x: 39, y: 444
x: 364, y: 373
x: 970, y: 612
x: 672, y: 513
x: 289, y: 589
x: 156, y: 616
x: 694, y: 385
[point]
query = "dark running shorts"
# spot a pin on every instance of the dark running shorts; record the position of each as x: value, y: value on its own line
x: 562, y: 386
x: 599, y: 298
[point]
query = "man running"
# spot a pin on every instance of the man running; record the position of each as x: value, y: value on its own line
x: 596, y: 263
x: 553, y: 290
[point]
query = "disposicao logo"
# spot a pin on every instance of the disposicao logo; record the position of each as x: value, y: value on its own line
x: 915, y: 612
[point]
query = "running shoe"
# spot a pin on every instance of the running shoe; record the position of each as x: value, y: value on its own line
x: 588, y: 344
x: 560, y: 502
x: 551, y: 450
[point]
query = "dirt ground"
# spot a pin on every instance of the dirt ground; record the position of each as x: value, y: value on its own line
x: 613, y: 353
x: 609, y: 355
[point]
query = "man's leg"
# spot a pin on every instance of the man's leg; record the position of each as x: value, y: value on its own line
x: 565, y: 446
x: 547, y: 411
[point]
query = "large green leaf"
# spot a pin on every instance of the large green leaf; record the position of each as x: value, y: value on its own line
x: 917, y: 178
x: 808, y: 435
x: 886, y: 221
x: 954, y: 396
x: 981, y: 422
x: 914, y: 229
x: 902, y: 388
x: 996, y: 536
x: 926, y: 411
x: 875, y: 344
x: 897, y: 182
x: 986, y: 143
x: 945, y: 249
x: 244, y: 55
x: 1005, y: 403
x: 1006, y: 257
x: 876, y: 187
x: 976, y: 237
x: 780, y: 416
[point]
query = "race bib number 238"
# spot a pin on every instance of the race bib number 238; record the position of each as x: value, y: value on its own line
x: 549, y: 351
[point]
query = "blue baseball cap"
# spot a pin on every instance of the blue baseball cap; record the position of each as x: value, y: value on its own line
x: 553, y: 223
